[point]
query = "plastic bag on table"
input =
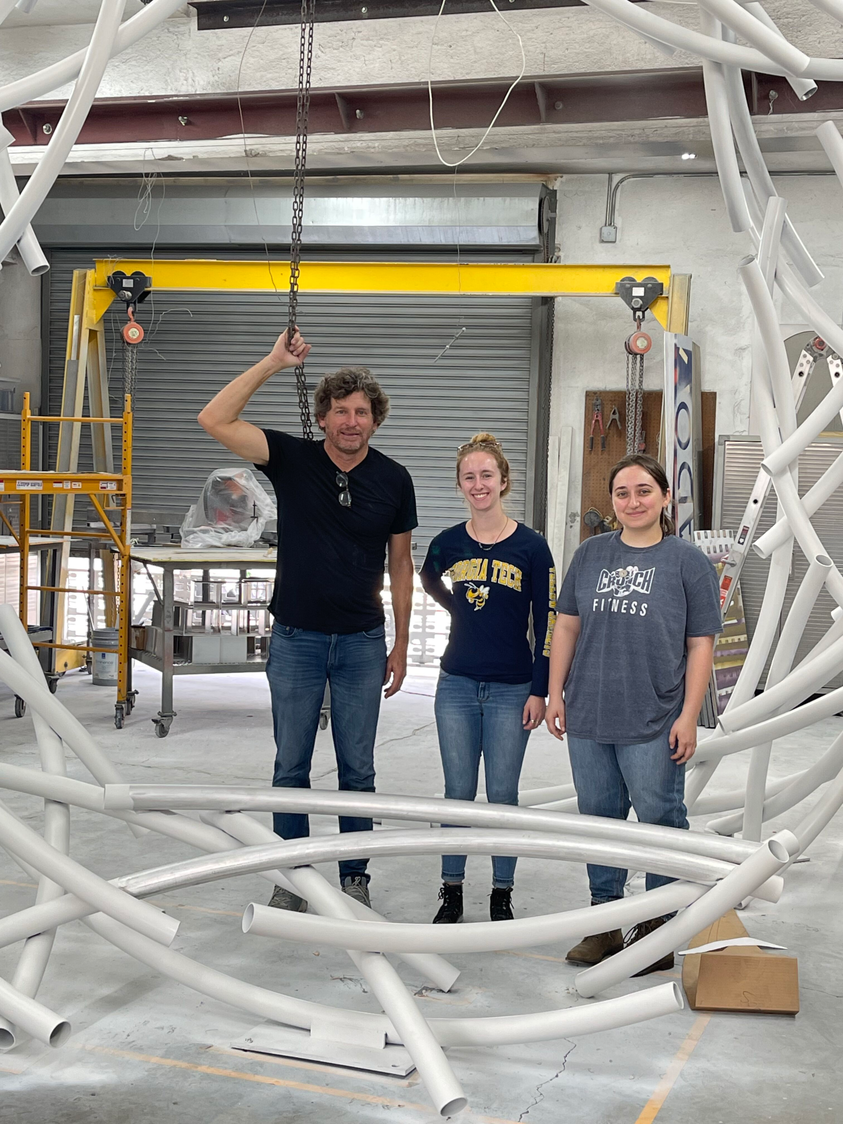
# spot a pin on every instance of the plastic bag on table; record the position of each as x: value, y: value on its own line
x: 232, y: 510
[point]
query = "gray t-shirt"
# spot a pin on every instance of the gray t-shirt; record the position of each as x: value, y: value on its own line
x: 636, y: 607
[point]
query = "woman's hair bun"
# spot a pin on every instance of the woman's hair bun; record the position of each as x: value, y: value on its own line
x: 484, y: 439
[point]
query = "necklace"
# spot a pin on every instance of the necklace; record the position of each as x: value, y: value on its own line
x: 491, y: 544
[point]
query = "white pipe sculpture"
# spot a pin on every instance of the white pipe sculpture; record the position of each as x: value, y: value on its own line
x: 109, y: 38
x: 713, y: 871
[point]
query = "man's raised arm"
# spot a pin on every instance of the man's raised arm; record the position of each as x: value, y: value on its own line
x: 221, y: 417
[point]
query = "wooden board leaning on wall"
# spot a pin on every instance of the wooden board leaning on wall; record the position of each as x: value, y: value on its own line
x: 597, y: 462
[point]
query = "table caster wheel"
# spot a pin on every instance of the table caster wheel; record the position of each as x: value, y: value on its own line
x: 323, y: 721
x: 53, y: 684
x: 131, y: 699
x: 20, y: 707
x: 162, y: 729
x: 118, y: 716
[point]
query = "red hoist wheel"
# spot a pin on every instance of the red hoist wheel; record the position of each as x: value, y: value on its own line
x: 132, y: 332
x: 639, y: 343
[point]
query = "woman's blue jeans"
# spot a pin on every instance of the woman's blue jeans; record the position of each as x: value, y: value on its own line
x: 299, y: 665
x: 610, y: 779
x: 477, y: 720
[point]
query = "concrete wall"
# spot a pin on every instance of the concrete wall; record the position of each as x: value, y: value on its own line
x: 680, y: 222
x: 20, y: 332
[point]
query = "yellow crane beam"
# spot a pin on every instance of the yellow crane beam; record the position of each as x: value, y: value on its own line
x: 528, y: 279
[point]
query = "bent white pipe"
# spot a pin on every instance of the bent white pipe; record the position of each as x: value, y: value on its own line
x: 481, y: 936
x: 741, y: 883
x: 772, y: 728
x: 782, y: 662
x: 812, y: 501
x: 800, y: 787
x: 802, y: 87
x: 38, y: 186
x: 816, y: 422
x: 22, y: 841
x: 773, y: 46
x: 32, y: 1017
x: 463, y: 813
x: 30, y: 251
x: 310, y: 885
x: 59, y: 73
x: 825, y: 809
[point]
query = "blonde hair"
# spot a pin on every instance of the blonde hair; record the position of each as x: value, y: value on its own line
x: 486, y: 443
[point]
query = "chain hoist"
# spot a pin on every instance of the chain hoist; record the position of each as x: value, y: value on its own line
x: 638, y: 296
x: 131, y: 288
x: 302, y: 112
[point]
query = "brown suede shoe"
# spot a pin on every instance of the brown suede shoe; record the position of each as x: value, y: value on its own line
x: 591, y: 950
x: 643, y: 930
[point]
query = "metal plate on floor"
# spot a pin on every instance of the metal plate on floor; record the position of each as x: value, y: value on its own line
x: 287, y: 1042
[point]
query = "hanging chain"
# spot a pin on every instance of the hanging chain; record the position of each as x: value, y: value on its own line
x: 130, y: 368
x: 302, y: 111
x: 634, y: 397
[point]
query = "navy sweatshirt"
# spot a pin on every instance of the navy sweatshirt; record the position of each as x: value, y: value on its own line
x: 494, y: 590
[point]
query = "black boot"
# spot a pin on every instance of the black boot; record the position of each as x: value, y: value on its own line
x: 500, y: 904
x: 450, y: 911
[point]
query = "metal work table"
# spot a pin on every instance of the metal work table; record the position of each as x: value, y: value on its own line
x: 170, y: 559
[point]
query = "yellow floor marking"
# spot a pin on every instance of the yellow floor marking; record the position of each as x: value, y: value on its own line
x: 261, y: 1079
x: 654, y: 1105
x: 532, y: 956
x: 196, y: 908
x: 298, y: 1063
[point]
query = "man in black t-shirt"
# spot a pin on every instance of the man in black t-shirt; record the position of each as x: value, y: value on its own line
x: 342, y: 508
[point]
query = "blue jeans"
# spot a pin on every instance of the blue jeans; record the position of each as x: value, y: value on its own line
x: 477, y: 720
x: 610, y: 778
x: 299, y: 665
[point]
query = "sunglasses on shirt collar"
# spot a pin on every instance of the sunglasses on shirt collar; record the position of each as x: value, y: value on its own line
x: 345, y: 494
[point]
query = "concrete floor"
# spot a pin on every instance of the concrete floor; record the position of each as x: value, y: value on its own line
x: 145, y: 1050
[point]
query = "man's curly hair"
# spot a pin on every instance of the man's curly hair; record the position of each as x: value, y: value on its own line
x: 348, y: 380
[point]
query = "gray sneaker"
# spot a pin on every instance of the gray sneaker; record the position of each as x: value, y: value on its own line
x: 357, y: 888
x: 286, y: 899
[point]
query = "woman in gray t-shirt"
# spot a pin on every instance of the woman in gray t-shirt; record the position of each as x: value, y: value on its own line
x: 630, y: 664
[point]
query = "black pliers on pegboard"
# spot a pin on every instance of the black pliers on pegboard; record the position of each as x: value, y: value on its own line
x: 597, y: 420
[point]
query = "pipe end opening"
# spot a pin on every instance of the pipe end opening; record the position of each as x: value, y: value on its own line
x: 61, y: 1033
x: 679, y: 996
x: 458, y: 1104
x: 40, y: 270
x: 824, y: 561
x: 248, y: 917
x: 7, y: 1039
x: 778, y: 850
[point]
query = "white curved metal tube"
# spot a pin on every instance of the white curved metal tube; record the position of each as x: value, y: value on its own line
x: 742, y: 882
x: 21, y: 840
x: 798, y: 788
x: 58, y: 73
x: 322, y: 896
x: 812, y: 501
x: 816, y: 422
x: 306, y: 852
x: 797, y: 618
x: 464, y: 813
x: 30, y: 251
x: 772, y: 728
x: 825, y: 809
x: 773, y: 46
x: 804, y: 88
x: 38, y: 186
x: 481, y: 936
x: 31, y: 1016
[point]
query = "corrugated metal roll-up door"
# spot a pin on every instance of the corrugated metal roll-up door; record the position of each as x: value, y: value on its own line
x: 739, y: 462
x: 451, y: 366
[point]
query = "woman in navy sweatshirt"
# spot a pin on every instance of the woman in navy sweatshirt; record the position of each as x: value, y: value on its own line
x: 492, y: 685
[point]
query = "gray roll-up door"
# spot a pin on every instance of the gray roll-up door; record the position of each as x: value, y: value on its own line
x: 739, y: 462
x: 197, y: 342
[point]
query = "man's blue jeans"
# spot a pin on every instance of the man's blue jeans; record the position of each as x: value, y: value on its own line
x: 610, y: 778
x: 477, y: 720
x: 299, y: 665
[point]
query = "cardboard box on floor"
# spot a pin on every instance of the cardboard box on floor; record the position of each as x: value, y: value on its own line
x: 746, y: 978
